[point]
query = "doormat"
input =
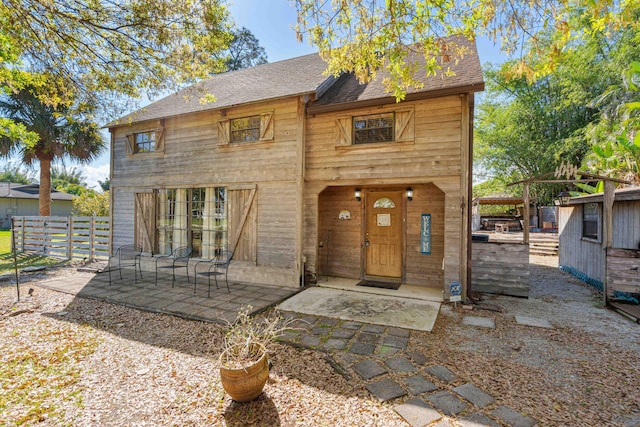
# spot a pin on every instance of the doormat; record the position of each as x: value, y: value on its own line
x: 375, y: 284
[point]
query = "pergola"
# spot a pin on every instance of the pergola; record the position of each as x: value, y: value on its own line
x: 568, y: 173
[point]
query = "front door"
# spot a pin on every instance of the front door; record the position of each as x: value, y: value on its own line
x: 383, y: 239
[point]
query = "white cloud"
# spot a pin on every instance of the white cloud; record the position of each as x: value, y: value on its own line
x: 95, y: 173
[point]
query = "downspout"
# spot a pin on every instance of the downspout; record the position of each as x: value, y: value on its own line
x: 470, y: 195
x: 300, y: 182
x: 111, y: 192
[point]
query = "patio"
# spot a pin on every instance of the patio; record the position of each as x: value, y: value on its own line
x: 179, y: 300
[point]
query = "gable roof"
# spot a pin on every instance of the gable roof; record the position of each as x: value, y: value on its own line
x: 291, y: 77
x: 301, y: 76
x: 10, y: 190
x: 346, y: 92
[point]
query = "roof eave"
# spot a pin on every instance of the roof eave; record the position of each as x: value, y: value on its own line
x: 113, y: 125
x: 415, y: 96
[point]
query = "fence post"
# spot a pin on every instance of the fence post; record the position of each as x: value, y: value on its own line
x: 69, y: 238
x: 22, y: 235
x: 92, y: 237
x: 44, y: 236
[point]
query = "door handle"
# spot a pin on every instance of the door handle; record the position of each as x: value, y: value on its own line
x: 366, y: 243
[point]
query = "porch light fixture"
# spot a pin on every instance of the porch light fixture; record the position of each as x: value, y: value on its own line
x: 563, y: 198
x: 409, y: 194
x: 358, y: 194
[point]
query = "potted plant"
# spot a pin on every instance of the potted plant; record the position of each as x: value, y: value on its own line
x: 244, y: 364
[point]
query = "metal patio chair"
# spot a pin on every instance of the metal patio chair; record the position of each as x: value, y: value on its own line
x: 179, y: 259
x: 126, y: 256
x: 218, y: 266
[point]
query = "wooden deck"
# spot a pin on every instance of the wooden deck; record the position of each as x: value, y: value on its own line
x: 630, y: 310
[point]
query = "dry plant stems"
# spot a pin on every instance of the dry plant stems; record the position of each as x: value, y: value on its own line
x: 249, y: 337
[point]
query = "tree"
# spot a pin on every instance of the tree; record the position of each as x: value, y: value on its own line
x: 365, y: 36
x: 244, y: 51
x: 91, y: 203
x: 15, y: 174
x: 105, y: 185
x: 61, y: 130
x: 103, y: 50
x: 527, y: 128
x: 615, y: 138
x: 70, y: 181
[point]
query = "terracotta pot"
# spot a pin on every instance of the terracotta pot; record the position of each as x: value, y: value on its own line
x: 245, y: 383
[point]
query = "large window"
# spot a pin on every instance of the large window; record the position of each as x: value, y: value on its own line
x: 144, y: 142
x: 590, y: 220
x: 245, y: 129
x: 194, y: 217
x: 373, y: 128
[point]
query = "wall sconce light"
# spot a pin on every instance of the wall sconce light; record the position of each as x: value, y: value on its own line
x: 563, y: 198
x: 409, y: 194
x: 358, y: 194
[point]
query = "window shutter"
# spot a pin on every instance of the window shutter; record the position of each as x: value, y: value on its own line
x: 343, y: 131
x: 223, y: 132
x: 266, y: 127
x: 130, y: 143
x: 160, y: 139
x: 405, y: 129
x: 145, y: 221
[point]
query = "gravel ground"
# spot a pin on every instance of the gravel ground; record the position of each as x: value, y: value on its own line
x: 66, y: 361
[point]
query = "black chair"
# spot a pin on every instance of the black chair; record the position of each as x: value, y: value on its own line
x: 179, y: 259
x: 218, y: 266
x: 126, y: 256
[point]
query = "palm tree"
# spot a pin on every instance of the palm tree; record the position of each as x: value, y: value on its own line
x: 62, y: 132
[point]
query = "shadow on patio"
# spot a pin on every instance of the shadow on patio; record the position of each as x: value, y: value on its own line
x: 178, y: 300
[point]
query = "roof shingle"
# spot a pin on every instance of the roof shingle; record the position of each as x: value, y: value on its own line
x: 300, y: 76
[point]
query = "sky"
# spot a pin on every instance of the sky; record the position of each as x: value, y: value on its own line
x: 271, y: 22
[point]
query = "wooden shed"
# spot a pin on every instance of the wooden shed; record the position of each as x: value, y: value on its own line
x: 301, y: 175
x: 582, y: 251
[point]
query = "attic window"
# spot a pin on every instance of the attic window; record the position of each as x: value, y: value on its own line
x: 144, y: 142
x: 245, y: 129
x: 373, y: 128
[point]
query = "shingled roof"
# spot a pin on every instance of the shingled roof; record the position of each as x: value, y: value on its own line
x: 29, y: 191
x: 292, y: 77
x: 300, y: 76
x: 346, y: 92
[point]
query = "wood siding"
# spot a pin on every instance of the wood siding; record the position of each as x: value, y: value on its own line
x: 500, y: 268
x: 623, y: 271
x: 626, y: 224
x: 303, y: 176
x: 588, y: 256
x: 431, y: 158
x: 192, y: 158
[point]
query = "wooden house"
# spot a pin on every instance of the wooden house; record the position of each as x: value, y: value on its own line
x: 300, y: 174
x: 582, y: 251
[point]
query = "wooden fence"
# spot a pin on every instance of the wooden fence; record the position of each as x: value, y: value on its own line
x: 500, y: 268
x: 62, y: 236
x: 623, y: 271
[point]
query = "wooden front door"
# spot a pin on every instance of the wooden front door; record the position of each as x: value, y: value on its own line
x: 383, y: 237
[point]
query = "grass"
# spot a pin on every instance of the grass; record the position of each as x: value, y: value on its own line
x: 5, y: 241
x: 26, y: 260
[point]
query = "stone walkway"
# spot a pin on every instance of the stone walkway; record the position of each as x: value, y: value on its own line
x: 421, y: 392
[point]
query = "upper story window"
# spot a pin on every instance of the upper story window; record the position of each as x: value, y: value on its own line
x: 144, y: 142
x: 373, y: 128
x: 590, y: 220
x: 245, y: 129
